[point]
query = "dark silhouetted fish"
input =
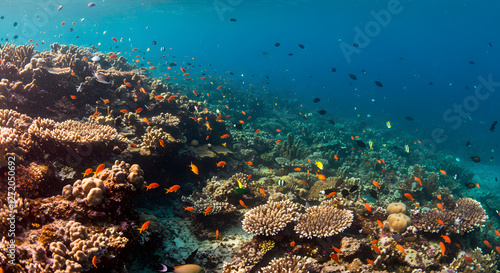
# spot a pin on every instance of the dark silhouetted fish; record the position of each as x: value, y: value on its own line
x: 493, y: 126
x: 355, y: 45
x: 15, y: 24
x: 328, y: 191
x: 467, y: 144
x: 301, y: 46
x: 488, y: 42
x: 331, y: 121
x: 290, y: 54
x: 322, y: 112
x: 397, y: 237
x: 345, y: 192
x: 153, y: 42
x: 1, y: 17
x: 353, y: 76
x: 470, y: 185
x: 232, y: 20
x: 373, y: 194
x: 334, y: 69
x: 431, y: 83
x: 238, y: 126
x: 277, y: 44
x: 409, y: 118
x: 476, y: 159
x: 339, y: 182
x: 496, y: 179
x: 354, y: 188
x: 16, y: 36
x: 379, y: 84
x: 316, y: 100
x: 361, y: 143
x: 472, y: 62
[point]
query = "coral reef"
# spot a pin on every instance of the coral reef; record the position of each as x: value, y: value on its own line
x: 287, y: 264
x: 270, y: 218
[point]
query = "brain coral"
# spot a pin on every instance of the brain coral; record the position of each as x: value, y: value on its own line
x: 396, y: 208
x: 323, y: 220
x: 270, y: 218
x: 398, y: 222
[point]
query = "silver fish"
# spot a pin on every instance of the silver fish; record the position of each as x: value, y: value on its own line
x: 101, y: 78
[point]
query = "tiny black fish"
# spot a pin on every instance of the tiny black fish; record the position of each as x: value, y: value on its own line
x: 172, y: 64
x: 301, y: 46
x: 355, y: 45
x: 264, y: 53
x: 1, y: 17
x: 373, y: 194
x: 470, y: 185
x: 15, y: 24
x: 409, y: 118
x: 334, y: 69
x: 267, y: 77
x: 232, y: 20
x: 16, y: 36
x: 472, y: 62
x: 322, y: 112
x: 345, y: 193
x: 488, y: 42
x: 361, y: 143
x: 77, y: 36
x: 238, y: 126
x: 476, y: 159
x: 493, y: 126
x: 70, y: 29
x: 467, y: 144
x: 331, y: 121
x: 154, y: 42
x: 339, y: 182
x: 354, y: 188
x: 316, y: 100
x: 353, y: 76
x: 379, y: 84
x: 290, y: 54
x: 397, y: 237
x: 277, y: 44
x: 496, y: 179
x: 431, y: 83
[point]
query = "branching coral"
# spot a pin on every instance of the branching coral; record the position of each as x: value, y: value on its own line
x: 270, y: 218
x: 323, y: 220
x: 287, y: 264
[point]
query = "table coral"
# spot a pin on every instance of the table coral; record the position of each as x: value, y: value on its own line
x: 270, y: 218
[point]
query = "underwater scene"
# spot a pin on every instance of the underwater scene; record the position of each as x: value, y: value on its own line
x: 249, y: 136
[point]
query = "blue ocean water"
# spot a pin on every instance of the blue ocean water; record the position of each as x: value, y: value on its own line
x: 437, y: 61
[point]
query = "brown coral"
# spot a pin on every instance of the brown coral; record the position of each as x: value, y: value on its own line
x: 270, y: 218
x: 323, y: 220
x: 292, y: 263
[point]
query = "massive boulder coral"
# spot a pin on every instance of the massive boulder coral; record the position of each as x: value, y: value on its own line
x: 270, y: 218
x: 467, y: 216
x: 89, y: 189
x: 323, y: 220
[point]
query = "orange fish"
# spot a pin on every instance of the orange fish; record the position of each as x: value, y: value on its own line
x: 443, y: 248
x: 142, y: 90
x: 376, y: 249
x: 292, y: 243
x: 174, y: 188
x: 321, y: 176
x: 133, y: 144
x: 477, y: 185
x: 468, y: 259
x: 261, y: 190
x: 146, y: 120
x: 487, y: 243
x: 113, y: 56
x: 224, y: 136
x: 438, y: 196
x: 498, y: 249
x: 400, y: 247
x: 87, y: 172
x: 194, y: 169
x: 440, y: 206
x: 114, y: 39
x: 418, y: 180
x: 407, y: 195
x: 162, y: 143
x: 297, y: 169
x: 370, y: 261
x: 497, y: 233
x: 250, y: 163
x: 374, y: 241
x: 418, y: 205
x: 135, y: 49
x: 95, y: 114
x: 443, y: 172
x: 152, y: 67
x: 243, y: 204
x: 159, y: 97
x: 278, y: 141
x: 368, y: 208
x: 376, y: 184
x: 446, y: 238
x: 221, y: 163
x: 256, y: 131
x: 219, y: 87
x: 94, y: 261
x: 73, y: 97
x: 336, y: 157
x: 171, y: 98
x: 189, y: 208
x: 335, y: 257
x: 249, y: 176
x: 144, y: 227
x: 380, y: 224
x: 195, y: 93
x: 138, y: 110
x: 440, y: 222
x: 152, y: 186
x: 216, y: 234
x: 123, y: 111
x: 207, y: 210
x: 271, y: 170
x: 330, y: 194
x: 278, y: 130
x: 336, y: 249
x: 183, y: 70
x: 99, y: 169
x: 127, y: 84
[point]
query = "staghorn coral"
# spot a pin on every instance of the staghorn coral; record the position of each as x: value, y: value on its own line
x: 17, y: 55
x: 292, y: 263
x: 468, y: 215
x: 270, y: 218
x: 292, y: 149
x: 13, y: 207
x: 482, y: 262
x: 323, y: 220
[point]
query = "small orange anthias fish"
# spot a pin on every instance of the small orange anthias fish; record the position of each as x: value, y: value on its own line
x: 440, y: 222
x: 256, y: 131
x: 292, y: 243
x: 368, y: 208
x: 194, y: 169
x: 468, y: 259
x: 221, y: 163
x: 336, y: 249
x: 335, y: 257
x: 87, y: 172
x: 216, y: 234
x: 333, y: 193
x: 401, y: 248
x: 174, y: 188
x: 243, y: 204
x: 487, y: 243
x: 144, y: 227
x: 94, y: 261
x: 261, y: 190
x: 497, y: 233
x: 376, y: 249
x: 224, y: 136
x: 446, y: 238
x: 152, y: 186
x: 438, y: 196
x: 443, y: 248
x: 207, y: 210
x: 407, y: 195
x: 443, y: 172
x: 380, y: 224
x: 189, y: 208
x: 99, y: 169
x: 370, y: 261
x: 321, y: 176
x: 250, y: 163
x: 162, y: 143
x: 375, y: 183
x: 418, y: 180
x: 439, y: 205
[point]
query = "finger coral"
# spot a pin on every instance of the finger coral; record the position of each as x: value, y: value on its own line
x: 270, y: 218
x: 323, y: 220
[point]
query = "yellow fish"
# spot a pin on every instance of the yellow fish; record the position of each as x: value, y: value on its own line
x: 239, y: 184
x: 319, y: 164
x: 407, y: 148
x: 371, y: 144
x: 388, y: 124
